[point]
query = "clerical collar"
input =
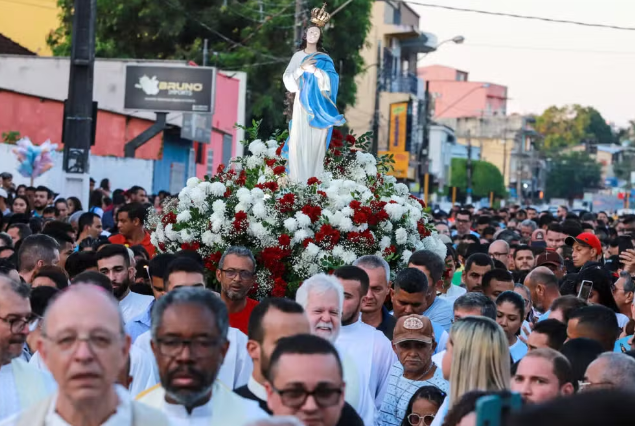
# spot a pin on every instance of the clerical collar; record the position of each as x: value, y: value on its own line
x: 257, y: 389
x: 179, y: 411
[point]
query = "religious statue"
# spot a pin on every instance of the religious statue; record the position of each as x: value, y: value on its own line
x: 312, y: 77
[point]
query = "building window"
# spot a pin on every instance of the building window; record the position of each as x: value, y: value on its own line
x: 227, y: 149
x: 461, y: 76
x: 210, y: 161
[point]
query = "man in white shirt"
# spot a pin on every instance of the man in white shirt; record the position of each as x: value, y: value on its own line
x: 189, y: 342
x: 114, y: 262
x: 85, y: 347
x: 20, y: 384
x: 366, y: 345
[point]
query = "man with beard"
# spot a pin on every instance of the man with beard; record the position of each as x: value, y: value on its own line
x: 236, y: 274
x: 132, y: 232
x: 41, y: 200
x: 113, y: 261
x: 189, y: 342
x: 37, y: 251
x: 544, y: 288
x: 20, y: 384
x: 523, y: 259
x: 274, y: 319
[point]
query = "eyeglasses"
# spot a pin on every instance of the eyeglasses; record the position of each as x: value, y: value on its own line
x: 98, y: 341
x: 323, y: 396
x: 415, y: 419
x: 199, y: 348
x: 17, y: 324
x: 244, y: 275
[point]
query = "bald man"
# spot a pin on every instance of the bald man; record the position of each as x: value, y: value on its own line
x: 499, y: 250
x: 544, y: 288
x: 86, y: 348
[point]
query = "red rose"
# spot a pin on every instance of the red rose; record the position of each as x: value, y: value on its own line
x: 313, y: 212
x: 242, y: 178
x: 190, y: 246
x: 322, y: 193
x: 355, y: 204
x: 286, y: 202
x: 351, y: 139
x: 270, y: 162
x: 162, y: 246
x: 306, y: 242
x: 278, y: 170
x: 336, y: 134
x: 220, y: 169
x: 272, y: 186
x: 337, y: 153
x: 390, y: 250
x: 240, y: 221
x: 284, y: 240
x: 423, y: 231
x: 211, y: 261
x: 227, y: 193
x: 279, y: 151
x: 170, y: 217
x: 313, y: 180
x: 272, y: 258
x: 279, y: 288
x: 328, y: 236
x: 336, y: 143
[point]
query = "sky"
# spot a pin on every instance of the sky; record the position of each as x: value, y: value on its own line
x: 542, y: 63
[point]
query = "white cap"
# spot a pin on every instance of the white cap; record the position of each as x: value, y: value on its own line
x: 3, y: 193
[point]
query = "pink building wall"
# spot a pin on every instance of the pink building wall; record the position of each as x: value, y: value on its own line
x: 437, y: 72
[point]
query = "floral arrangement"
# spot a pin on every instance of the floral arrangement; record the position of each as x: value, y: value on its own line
x: 34, y: 159
x: 296, y: 230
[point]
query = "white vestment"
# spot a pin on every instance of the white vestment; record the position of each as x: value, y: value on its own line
x: 307, y: 145
x: 373, y: 355
x: 236, y: 368
x: 22, y: 385
x: 134, y: 304
x: 225, y: 408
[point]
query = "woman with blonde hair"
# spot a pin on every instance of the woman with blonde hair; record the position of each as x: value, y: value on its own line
x: 476, y: 358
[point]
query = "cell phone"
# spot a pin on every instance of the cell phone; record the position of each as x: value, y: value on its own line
x: 624, y: 244
x: 491, y: 409
x: 585, y: 290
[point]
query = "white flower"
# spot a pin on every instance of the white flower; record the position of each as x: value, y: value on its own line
x: 240, y: 207
x: 303, y: 220
x: 198, y: 196
x: 218, y: 207
x: 187, y: 236
x: 313, y: 269
x: 390, y: 179
x: 312, y: 249
x: 192, y: 182
x: 259, y: 210
x: 217, y: 225
x: 397, y: 199
x: 185, y: 194
x: 346, y: 224
x: 347, y: 211
x: 415, y: 215
x: 272, y: 144
x: 370, y: 170
x: 401, y: 236
x: 405, y: 257
x: 258, y: 194
x: 290, y: 224
x: 358, y: 174
x: 154, y: 240
x: 435, y: 245
x: 218, y: 189
x: 364, y: 158
x: 300, y: 235
x: 349, y: 257
x: 386, y: 225
x: 184, y: 216
x: 207, y: 238
x: 254, y: 162
x: 206, y: 187
x: 384, y: 243
x: 170, y: 234
x: 367, y: 195
x: 395, y: 211
x: 401, y: 189
x: 271, y: 152
x: 262, y: 179
x: 338, y: 251
x: 258, y: 230
x: 257, y: 147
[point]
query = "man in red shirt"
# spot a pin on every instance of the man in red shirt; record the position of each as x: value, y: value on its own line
x: 130, y: 220
x: 236, y: 273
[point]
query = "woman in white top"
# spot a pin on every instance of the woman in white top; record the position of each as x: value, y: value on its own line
x: 510, y: 312
x: 476, y: 358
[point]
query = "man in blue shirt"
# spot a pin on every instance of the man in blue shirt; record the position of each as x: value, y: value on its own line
x: 463, y: 223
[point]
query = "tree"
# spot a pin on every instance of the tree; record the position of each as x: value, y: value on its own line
x: 571, y: 125
x: 485, y: 178
x: 570, y: 174
x: 255, y: 36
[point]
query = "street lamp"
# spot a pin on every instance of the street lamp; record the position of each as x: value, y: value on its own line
x: 456, y: 40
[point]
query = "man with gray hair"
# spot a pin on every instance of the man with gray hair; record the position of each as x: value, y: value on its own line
x: 374, y: 313
x: 527, y: 227
x: 623, y: 292
x: 236, y: 274
x: 610, y: 370
x: 196, y: 319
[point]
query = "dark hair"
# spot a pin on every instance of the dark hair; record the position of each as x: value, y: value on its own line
x: 255, y: 329
x: 555, y: 227
x: 508, y: 235
x: 571, y: 227
x: 118, y: 197
x: 355, y: 273
x: 159, y: 264
x: 555, y: 331
x: 567, y: 304
x: 49, y: 210
x: 513, y: 298
x: 43, y: 188
x: 78, y: 262
x: 470, y: 301
x: 55, y: 274
x: 112, y: 250
x: 480, y: 259
x: 34, y: 248
x: 601, y: 321
x: 547, y: 220
x: 36, y: 224
x: 464, y: 212
x: 182, y: 264
x: 498, y: 275
x: 301, y: 344
x: 6, y: 239
x: 139, y: 250
x: 23, y: 229
x: 96, y: 199
x: 135, y: 189
x: 59, y: 226
x: 602, y: 284
x: 483, y: 220
x: 430, y: 393
x: 135, y: 211
x: 94, y: 278
x: 41, y: 297
x: 411, y: 280
x: 105, y: 184
x: 6, y: 265
x: 581, y: 352
x: 23, y: 198
x: 76, y: 203
x: 522, y: 247
x: 195, y: 256
x: 431, y: 261
x: 59, y: 236
x: 86, y: 219
x: 467, y: 404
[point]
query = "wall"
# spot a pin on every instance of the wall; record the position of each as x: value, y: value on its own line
x: 29, y: 22
x: 175, y: 150
x: 437, y: 72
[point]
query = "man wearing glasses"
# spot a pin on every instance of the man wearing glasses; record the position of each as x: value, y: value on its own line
x: 189, y: 342
x: 305, y: 380
x: 236, y: 274
x: 463, y: 224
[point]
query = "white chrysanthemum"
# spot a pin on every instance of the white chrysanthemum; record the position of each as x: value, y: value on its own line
x: 349, y: 257
x: 262, y: 179
x: 364, y: 158
x: 290, y: 224
x: 258, y: 230
x: 349, y: 185
x: 435, y: 245
x: 259, y: 210
x: 390, y: 179
x: 271, y: 152
x: 240, y: 207
x: 358, y: 174
x: 367, y: 195
x: 405, y: 256
x: 401, y: 189
x: 218, y: 189
x: 206, y: 187
x: 257, y: 147
x: 303, y: 220
x: 192, y: 182
x: 336, y: 218
x: 170, y: 234
x: 217, y: 225
x: 187, y: 236
x: 415, y: 215
x: 386, y: 225
x: 272, y: 144
x: 184, y: 216
x: 312, y: 249
x: 347, y: 211
x: 399, y: 200
x: 346, y: 224
x: 258, y: 194
x: 207, y: 238
x: 185, y: 194
x: 327, y: 214
x: 300, y: 235
x: 159, y: 233
x: 338, y: 251
x: 401, y: 236
x: 254, y: 162
x: 370, y: 170
x: 395, y: 211
x: 154, y: 240
x: 384, y: 243
x: 218, y: 207
x: 198, y: 197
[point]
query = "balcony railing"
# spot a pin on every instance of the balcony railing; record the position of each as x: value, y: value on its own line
x: 403, y: 84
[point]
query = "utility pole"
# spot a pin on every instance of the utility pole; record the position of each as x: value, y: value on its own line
x: 378, y: 85
x: 298, y: 25
x: 469, y: 168
x: 78, y: 120
x: 205, y: 52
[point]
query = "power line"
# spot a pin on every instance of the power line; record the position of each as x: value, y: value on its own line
x: 513, y: 15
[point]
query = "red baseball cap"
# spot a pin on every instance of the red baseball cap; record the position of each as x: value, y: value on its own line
x: 586, y: 239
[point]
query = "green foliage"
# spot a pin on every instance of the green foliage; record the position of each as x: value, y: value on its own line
x: 571, y: 125
x: 10, y: 137
x: 570, y: 174
x: 485, y: 178
x: 242, y: 38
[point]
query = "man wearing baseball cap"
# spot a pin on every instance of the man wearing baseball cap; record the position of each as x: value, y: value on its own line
x: 553, y: 261
x: 413, y: 341
x: 586, y: 248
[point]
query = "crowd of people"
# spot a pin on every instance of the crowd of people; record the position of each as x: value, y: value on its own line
x: 529, y: 318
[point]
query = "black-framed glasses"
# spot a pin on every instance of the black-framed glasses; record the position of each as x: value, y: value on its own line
x: 416, y: 420
x: 17, y: 324
x: 323, y: 396
x: 244, y: 275
x: 199, y: 347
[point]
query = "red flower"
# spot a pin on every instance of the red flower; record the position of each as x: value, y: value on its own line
x: 272, y: 258
x: 270, y: 162
x: 227, y: 193
x: 419, y: 200
x: 390, y: 250
x: 220, y: 169
x: 211, y: 261
x: 279, y: 151
x: 337, y: 134
x: 313, y: 212
x: 284, y: 240
x: 170, y: 217
x: 351, y: 139
x: 337, y: 153
x: 242, y: 178
x: 313, y: 180
x: 162, y: 246
x: 336, y: 143
x: 285, y: 204
x: 322, y: 193
x: 240, y: 221
x: 279, y: 288
x: 365, y: 238
x: 423, y: 231
x: 278, y: 170
x: 354, y: 204
x: 362, y: 215
x: 306, y: 242
x: 328, y: 236
x: 191, y: 246
x: 272, y: 186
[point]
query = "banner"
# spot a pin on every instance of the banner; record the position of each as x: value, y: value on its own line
x: 401, y: 163
x: 397, y: 134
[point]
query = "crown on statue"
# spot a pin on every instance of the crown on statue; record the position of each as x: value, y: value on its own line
x: 320, y: 17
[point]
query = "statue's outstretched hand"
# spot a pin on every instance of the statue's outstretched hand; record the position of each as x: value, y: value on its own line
x: 309, y: 66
